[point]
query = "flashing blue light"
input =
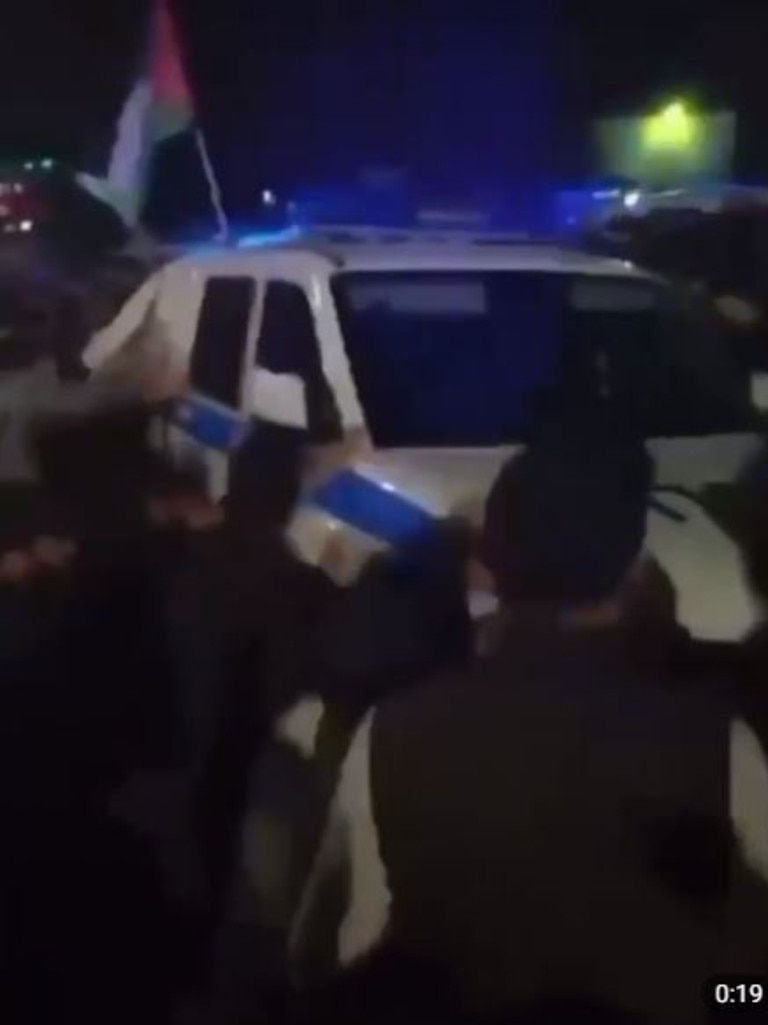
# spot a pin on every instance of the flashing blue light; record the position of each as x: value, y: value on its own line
x: 269, y: 238
x: 421, y: 219
x: 631, y: 199
x: 268, y: 197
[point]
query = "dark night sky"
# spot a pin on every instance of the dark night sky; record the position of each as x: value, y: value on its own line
x: 278, y: 88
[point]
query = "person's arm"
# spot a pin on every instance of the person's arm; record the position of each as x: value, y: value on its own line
x: 309, y: 896
x: 284, y: 826
x: 72, y: 398
x: 105, y: 345
x: 344, y: 910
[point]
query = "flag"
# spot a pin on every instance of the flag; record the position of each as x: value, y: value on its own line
x: 172, y: 106
x: 159, y: 107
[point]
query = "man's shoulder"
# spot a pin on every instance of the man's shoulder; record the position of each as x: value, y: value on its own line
x: 663, y: 701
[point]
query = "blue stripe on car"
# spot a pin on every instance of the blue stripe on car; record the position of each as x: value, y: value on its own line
x: 371, y: 508
x: 355, y: 500
x: 210, y: 425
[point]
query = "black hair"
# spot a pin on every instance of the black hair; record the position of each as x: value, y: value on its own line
x: 565, y: 520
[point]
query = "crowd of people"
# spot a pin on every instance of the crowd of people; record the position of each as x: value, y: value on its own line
x: 235, y: 792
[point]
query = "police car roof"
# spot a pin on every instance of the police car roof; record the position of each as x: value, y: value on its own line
x: 344, y: 250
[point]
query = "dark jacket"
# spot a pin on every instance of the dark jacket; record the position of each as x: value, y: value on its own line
x: 242, y: 617
x: 553, y: 823
x: 405, y: 618
x: 240, y: 606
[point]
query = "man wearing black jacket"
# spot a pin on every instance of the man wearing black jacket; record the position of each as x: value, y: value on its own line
x: 562, y: 825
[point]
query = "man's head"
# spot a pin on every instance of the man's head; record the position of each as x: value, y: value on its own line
x: 565, y: 522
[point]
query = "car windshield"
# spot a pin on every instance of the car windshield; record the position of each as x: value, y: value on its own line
x: 467, y: 359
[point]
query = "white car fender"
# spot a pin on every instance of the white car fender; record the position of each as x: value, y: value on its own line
x: 714, y: 600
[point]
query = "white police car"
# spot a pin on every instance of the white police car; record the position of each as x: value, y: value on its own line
x: 416, y: 361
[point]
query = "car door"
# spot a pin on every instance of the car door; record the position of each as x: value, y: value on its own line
x: 213, y: 416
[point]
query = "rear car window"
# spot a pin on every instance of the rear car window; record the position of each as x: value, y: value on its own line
x: 471, y: 359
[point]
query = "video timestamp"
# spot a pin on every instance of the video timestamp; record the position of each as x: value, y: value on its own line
x: 737, y: 993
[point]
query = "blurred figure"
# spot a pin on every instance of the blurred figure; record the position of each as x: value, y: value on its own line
x: 83, y: 914
x: 243, y: 594
x: 242, y: 617
x: 44, y: 378
x: 554, y: 824
x: 404, y: 619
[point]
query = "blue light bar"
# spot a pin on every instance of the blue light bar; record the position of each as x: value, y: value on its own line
x: 357, y: 207
x: 434, y: 219
x: 270, y: 238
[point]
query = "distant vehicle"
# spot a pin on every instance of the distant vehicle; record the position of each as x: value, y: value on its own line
x: 416, y: 362
x: 721, y: 251
x: 62, y: 251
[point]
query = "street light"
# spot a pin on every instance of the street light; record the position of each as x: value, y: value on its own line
x: 674, y: 128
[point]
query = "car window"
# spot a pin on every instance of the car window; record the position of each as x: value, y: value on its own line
x: 448, y: 359
x: 288, y: 344
x: 457, y: 359
x: 218, y: 353
x: 657, y: 358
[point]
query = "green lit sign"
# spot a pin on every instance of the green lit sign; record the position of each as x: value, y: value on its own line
x: 676, y: 145
x: 673, y: 129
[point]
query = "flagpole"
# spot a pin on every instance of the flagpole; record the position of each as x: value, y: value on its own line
x: 213, y: 186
